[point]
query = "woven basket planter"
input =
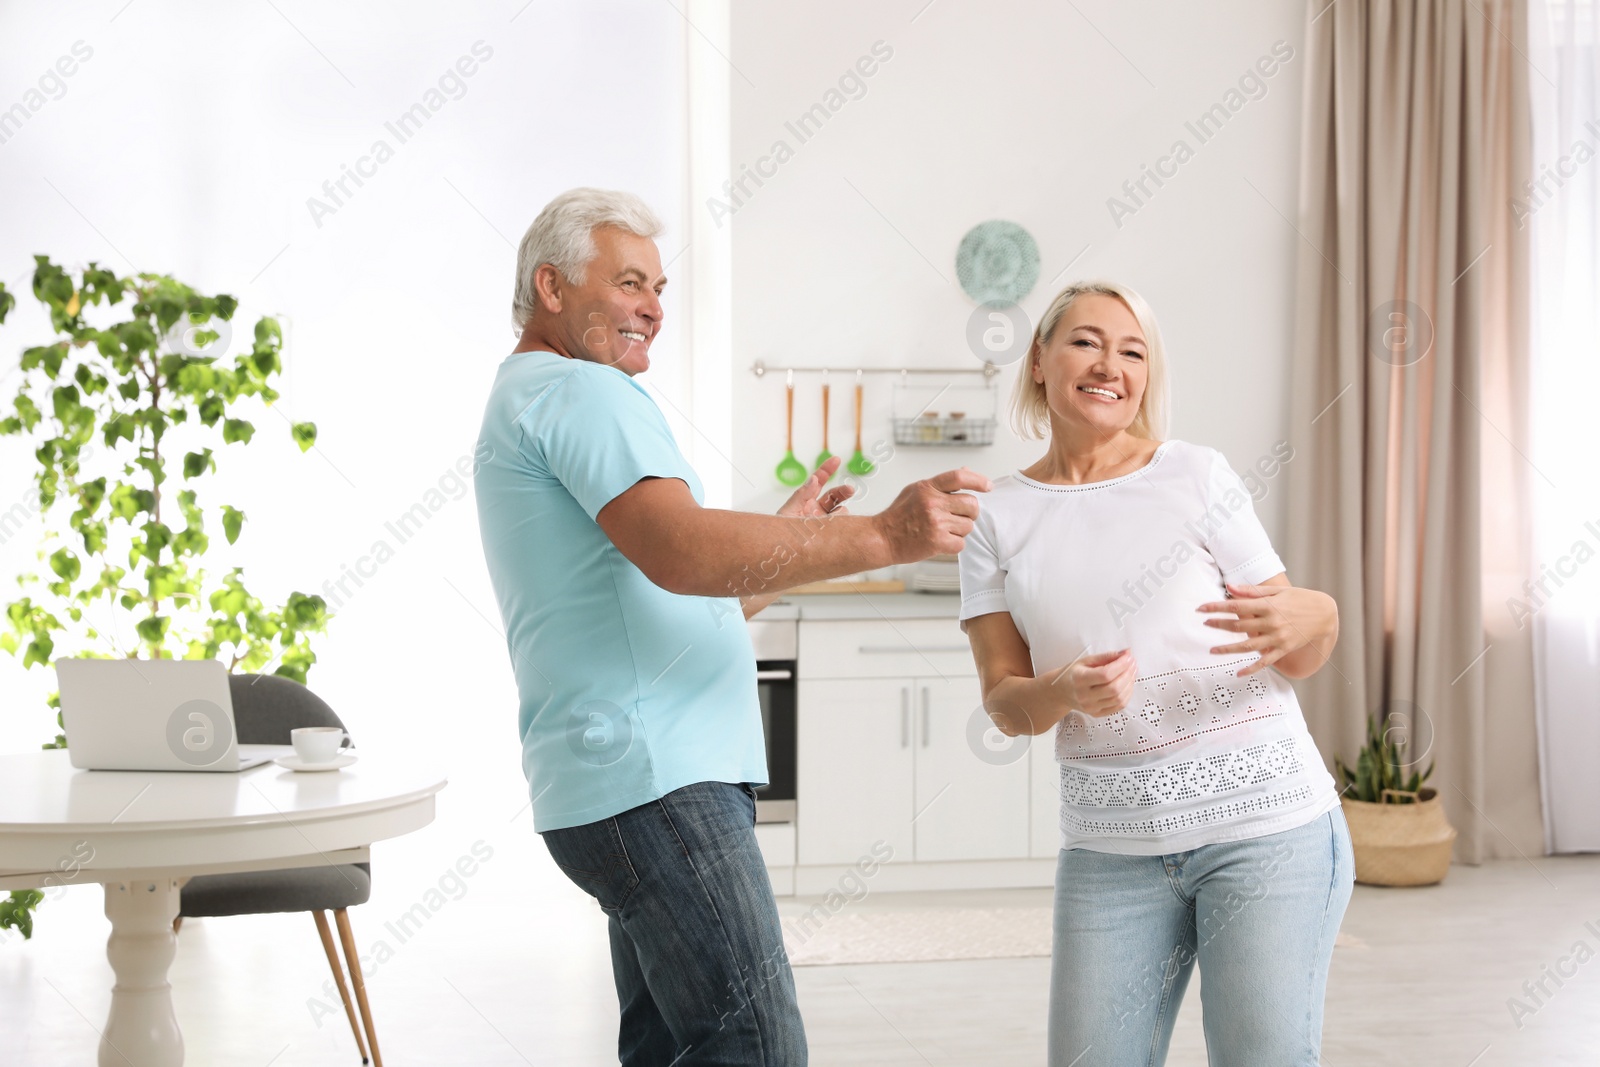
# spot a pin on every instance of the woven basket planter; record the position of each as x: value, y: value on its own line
x: 1400, y: 844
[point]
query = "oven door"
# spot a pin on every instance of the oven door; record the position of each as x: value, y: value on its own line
x: 776, y: 801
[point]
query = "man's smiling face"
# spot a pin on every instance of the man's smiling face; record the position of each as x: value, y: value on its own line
x: 614, y: 315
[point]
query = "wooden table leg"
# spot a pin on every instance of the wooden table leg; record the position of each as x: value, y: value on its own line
x: 141, y: 1030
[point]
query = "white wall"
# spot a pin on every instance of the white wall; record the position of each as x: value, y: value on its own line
x: 1025, y: 111
x: 190, y: 142
x: 192, y: 139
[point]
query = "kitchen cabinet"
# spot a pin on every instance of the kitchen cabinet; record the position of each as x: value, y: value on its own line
x: 971, y: 796
x: 856, y: 775
x: 891, y: 748
x: 892, y: 745
x: 892, y: 760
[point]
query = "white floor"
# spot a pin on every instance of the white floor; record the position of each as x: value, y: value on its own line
x: 512, y: 969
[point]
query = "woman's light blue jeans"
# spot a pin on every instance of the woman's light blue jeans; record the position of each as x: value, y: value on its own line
x: 1259, y: 916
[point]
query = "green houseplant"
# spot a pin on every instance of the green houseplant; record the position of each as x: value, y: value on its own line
x: 1380, y: 775
x: 127, y: 408
x: 1397, y: 824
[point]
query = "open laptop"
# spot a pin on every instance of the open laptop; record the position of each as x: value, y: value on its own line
x: 153, y: 715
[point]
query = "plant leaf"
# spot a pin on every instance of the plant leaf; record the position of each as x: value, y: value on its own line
x: 153, y: 628
x: 197, y: 463
x: 65, y: 564
x: 17, y: 910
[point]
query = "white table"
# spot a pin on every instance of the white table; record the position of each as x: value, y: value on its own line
x: 141, y: 834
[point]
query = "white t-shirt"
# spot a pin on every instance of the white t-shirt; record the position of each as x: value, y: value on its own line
x: 1198, y: 756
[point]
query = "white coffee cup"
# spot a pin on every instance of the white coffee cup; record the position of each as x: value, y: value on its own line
x: 316, y: 744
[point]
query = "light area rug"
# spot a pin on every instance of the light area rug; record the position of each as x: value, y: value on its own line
x: 914, y: 935
x: 910, y: 935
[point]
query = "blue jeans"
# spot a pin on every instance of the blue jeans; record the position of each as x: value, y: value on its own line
x: 1260, y: 917
x: 696, y: 946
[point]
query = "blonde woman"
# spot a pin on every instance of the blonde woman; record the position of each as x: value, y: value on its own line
x: 1122, y: 594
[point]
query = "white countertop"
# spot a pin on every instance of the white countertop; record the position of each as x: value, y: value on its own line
x: 836, y: 606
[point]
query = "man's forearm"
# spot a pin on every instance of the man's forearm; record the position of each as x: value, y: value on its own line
x: 687, y: 549
x: 731, y: 553
x: 753, y: 605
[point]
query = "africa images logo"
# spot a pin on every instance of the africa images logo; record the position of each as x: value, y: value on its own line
x: 599, y: 733
x: 199, y: 733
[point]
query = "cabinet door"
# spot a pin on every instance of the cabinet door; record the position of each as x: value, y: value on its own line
x: 854, y: 785
x: 1046, y: 792
x: 972, y: 788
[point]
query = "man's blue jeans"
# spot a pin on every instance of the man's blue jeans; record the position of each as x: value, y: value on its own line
x: 1259, y: 916
x: 696, y: 946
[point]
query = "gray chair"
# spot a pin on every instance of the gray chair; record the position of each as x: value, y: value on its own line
x: 265, y: 708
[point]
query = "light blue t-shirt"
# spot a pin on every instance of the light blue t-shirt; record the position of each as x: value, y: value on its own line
x: 627, y: 691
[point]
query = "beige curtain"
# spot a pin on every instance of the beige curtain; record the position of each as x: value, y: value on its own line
x: 1409, y: 395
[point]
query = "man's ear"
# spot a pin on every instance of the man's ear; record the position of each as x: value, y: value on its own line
x: 550, y: 286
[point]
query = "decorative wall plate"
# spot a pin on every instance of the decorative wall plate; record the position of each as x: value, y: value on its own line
x: 997, y: 262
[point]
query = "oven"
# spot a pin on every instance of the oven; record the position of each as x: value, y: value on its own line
x: 775, y: 643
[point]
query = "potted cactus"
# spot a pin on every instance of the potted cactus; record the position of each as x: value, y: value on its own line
x: 1397, y: 824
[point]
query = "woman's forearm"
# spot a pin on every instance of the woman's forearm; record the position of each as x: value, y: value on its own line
x: 1031, y: 706
x: 1308, y: 659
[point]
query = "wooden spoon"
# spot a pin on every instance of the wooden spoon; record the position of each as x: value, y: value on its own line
x: 859, y: 464
x: 824, y: 455
x: 790, y: 471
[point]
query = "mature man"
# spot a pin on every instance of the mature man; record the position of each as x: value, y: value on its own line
x: 640, y: 722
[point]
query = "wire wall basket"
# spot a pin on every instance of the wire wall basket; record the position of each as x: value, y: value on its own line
x: 951, y: 416
x: 943, y: 430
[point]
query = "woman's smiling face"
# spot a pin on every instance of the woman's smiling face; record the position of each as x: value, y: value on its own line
x: 1093, y: 368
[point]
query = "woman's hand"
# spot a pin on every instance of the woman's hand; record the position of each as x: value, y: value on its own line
x: 1097, y: 685
x: 811, y: 500
x: 1278, y: 620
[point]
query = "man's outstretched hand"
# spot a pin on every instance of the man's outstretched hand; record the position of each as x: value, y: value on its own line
x: 811, y: 499
x: 933, y: 516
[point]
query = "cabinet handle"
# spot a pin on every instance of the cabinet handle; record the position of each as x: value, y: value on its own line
x: 926, y: 720
x: 905, y: 716
x: 903, y: 649
x: 774, y: 676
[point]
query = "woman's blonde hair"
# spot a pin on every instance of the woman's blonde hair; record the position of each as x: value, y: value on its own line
x: 1030, y: 414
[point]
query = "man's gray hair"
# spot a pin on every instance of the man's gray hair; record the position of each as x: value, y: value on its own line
x: 563, y: 236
